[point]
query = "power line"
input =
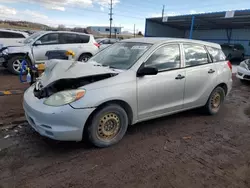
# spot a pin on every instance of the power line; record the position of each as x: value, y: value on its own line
x: 111, y: 19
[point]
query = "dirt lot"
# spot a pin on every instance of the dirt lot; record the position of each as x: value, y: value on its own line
x: 183, y: 150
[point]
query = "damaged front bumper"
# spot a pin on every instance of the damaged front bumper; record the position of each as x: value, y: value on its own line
x: 243, y: 73
x: 62, y: 123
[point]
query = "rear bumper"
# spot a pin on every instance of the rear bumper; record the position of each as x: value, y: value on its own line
x: 243, y: 73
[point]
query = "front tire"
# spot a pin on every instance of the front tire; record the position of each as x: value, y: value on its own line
x: 108, y: 126
x: 215, y: 100
x: 14, y: 64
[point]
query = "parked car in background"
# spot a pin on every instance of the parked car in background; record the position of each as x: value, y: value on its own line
x: 105, y: 42
x: 153, y: 77
x: 233, y: 51
x: 84, y: 46
x: 10, y: 38
x: 243, y: 70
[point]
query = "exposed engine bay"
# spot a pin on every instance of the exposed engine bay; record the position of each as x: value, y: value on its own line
x: 67, y: 83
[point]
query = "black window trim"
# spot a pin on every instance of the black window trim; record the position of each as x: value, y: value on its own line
x: 163, y: 45
x: 202, y: 45
x: 50, y: 43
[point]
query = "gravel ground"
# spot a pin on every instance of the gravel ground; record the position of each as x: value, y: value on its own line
x: 182, y: 150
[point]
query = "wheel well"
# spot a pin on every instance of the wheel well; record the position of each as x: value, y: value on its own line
x: 121, y: 103
x: 87, y: 53
x: 19, y: 54
x: 224, y: 86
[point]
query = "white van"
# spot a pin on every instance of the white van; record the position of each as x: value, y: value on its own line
x: 11, y: 38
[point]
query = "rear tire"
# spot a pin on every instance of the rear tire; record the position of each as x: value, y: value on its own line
x: 215, y: 100
x: 84, y: 57
x: 108, y: 126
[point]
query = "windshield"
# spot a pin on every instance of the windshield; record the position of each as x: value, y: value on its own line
x: 32, y: 37
x: 121, y: 55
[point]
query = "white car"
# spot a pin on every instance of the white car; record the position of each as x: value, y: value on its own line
x: 10, y: 38
x: 83, y: 45
x: 243, y: 70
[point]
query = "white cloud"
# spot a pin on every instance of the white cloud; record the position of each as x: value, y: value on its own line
x: 7, y: 11
x: 61, y: 5
x: 195, y: 12
x: 34, y: 14
x: 102, y: 9
x: 24, y: 15
x: 106, y: 3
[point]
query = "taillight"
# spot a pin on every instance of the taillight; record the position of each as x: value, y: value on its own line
x: 229, y: 65
x: 97, y: 45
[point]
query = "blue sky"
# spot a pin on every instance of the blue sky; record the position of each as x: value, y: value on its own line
x: 74, y: 13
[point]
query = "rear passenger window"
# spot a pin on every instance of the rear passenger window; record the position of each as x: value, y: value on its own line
x: 68, y: 38
x: 216, y: 54
x: 83, y: 39
x: 165, y: 58
x: 195, y: 55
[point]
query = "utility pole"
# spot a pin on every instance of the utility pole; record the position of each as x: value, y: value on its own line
x: 110, y: 18
x: 134, y: 30
x: 163, y: 10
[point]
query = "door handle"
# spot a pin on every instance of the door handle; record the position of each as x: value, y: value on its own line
x: 179, y: 77
x: 211, y: 71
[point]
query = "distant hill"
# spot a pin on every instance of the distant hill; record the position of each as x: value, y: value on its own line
x: 22, y: 25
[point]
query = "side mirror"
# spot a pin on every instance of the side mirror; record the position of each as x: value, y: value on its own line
x: 38, y: 42
x: 147, y: 71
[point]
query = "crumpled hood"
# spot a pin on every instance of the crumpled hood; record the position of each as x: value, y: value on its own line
x: 65, y: 69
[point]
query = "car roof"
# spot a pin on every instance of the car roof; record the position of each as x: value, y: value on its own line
x: 13, y: 31
x: 67, y: 32
x: 159, y: 40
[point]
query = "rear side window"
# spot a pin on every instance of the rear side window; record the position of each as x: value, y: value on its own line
x: 216, y: 54
x: 195, y: 55
x: 83, y: 39
x: 68, y: 38
x: 4, y: 34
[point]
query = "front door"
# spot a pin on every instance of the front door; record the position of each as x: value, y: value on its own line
x: 200, y: 75
x: 162, y: 93
x: 48, y: 42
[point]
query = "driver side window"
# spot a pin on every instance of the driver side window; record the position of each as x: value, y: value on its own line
x: 165, y: 58
x: 52, y: 38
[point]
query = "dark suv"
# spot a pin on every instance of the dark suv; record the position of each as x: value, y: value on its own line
x: 233, y: 51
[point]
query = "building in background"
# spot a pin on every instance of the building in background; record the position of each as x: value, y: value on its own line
x: 104, y: 30
x: 228, y: 27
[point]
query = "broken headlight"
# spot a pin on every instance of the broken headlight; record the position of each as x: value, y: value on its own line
x: 64, y: 97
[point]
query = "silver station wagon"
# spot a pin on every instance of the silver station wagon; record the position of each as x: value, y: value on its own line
x: 129, y: 82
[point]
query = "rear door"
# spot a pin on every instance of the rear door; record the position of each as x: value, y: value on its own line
x: 76, y: 42
x: 68, y: 41
x: 200, y: 75
x: 49, y: 42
